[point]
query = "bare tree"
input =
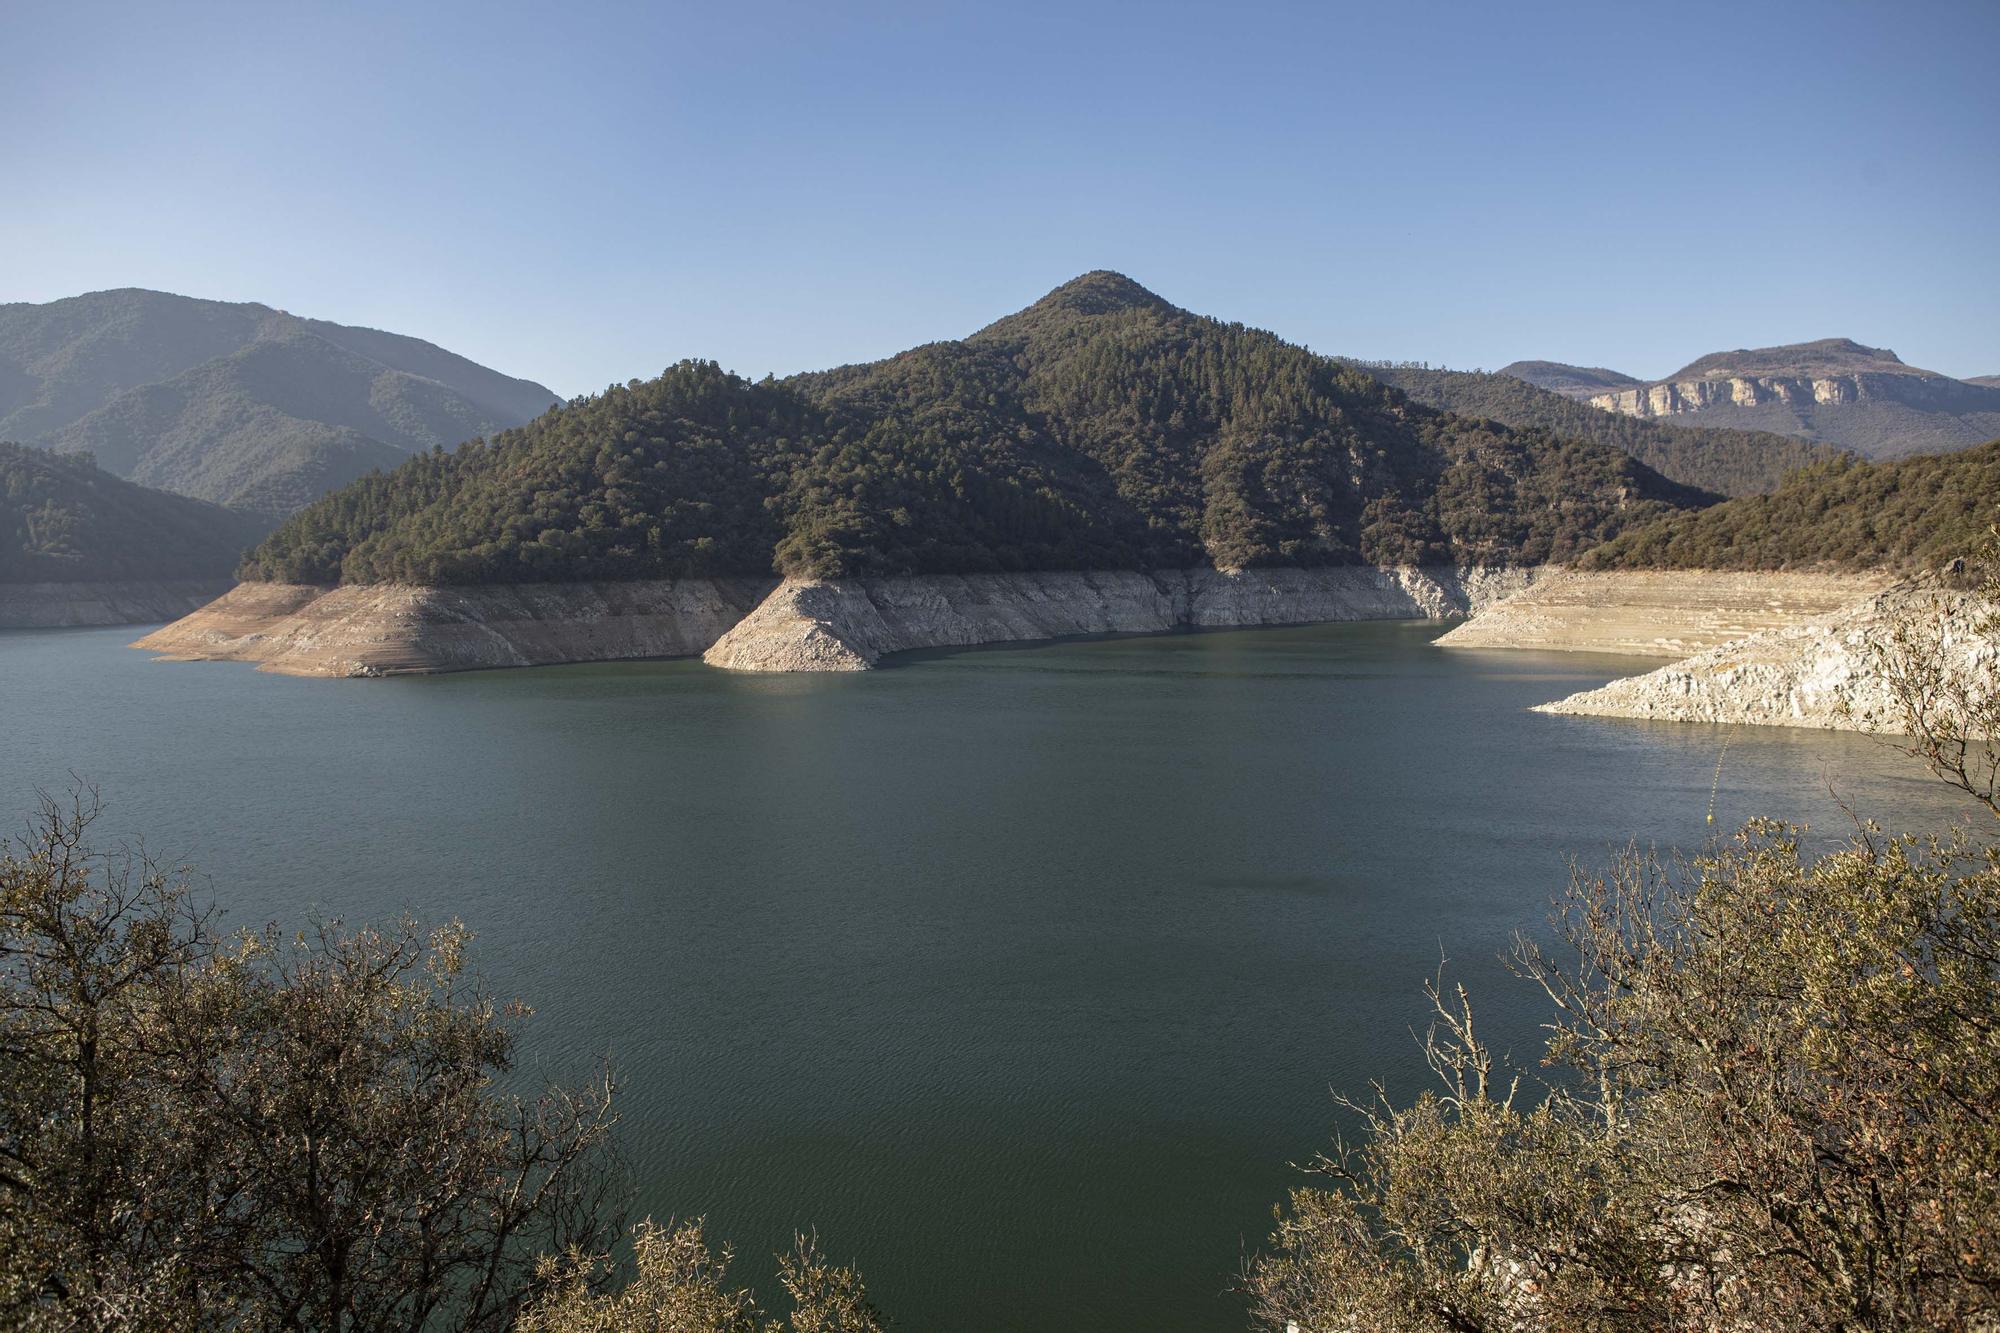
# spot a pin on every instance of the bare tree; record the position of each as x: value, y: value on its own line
x: 1939, y: 664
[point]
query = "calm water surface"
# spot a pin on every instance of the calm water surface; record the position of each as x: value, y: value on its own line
x: 1020, y: 973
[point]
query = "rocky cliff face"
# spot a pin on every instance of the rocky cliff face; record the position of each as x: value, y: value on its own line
x: 390, y: 629
x: 1818, y: 674
x: 118, y: 602
x: 851, y: 625
x: 1873, y: 403
x: 1674, y: 397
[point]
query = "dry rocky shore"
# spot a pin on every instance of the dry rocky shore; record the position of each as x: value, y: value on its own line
x: 1783, y: 649
x: 752, y: 625
x: 1822, y: 673
x: 394, y: 629
x: 1655, y: 613
x: 850, y: 625
x: 120, y: 602
x: 1775, y: 649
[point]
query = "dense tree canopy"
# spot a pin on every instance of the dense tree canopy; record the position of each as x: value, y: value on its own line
x: 1843, y: 514
x: 62, y: 520
x: 1100, y: 428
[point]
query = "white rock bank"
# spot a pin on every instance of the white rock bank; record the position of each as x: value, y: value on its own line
x: 391, y: 629
x: 851, y: 624
x: 120, y: 602
x: 1822, y: 673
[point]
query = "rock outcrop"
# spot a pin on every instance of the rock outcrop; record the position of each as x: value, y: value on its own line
x: 1834, y: 390
x: 1818, y: 674
x: 850, y: 625
x: 117, y: 602
x: 1655, y: 613
x: 389, y: 629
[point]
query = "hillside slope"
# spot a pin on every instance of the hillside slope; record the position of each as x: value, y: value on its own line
x: 1845, y: 514
x: 236, y: 402
x: 64, y: 520
x: 1728, y: 462
x: 1569, y: 381
x: 1101, y: 428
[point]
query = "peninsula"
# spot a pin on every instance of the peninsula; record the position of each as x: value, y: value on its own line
x: 1101, y: 461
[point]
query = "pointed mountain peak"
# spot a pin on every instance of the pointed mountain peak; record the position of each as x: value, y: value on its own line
x: 1100, y: 292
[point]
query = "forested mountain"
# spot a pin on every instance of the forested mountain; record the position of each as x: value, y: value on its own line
x: 1099, y: 428
x: 237, y: 403
x: 64, y: 520
x: 1835, y: 390
x: 1843, y: 514
x: 1728, y: 462
x: 1569, y: 381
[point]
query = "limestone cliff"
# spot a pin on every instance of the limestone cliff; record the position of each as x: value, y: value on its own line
x: 109, y: 602
x: 850, y: 625
x: 1835, y: 390
x: 1817, y: 674
x: 388, y: 629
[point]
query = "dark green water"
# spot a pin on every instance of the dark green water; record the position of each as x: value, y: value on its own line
x: 1020, y: 973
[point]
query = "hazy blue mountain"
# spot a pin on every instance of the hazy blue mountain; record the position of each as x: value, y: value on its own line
x: 237, y: 402
x: 1569, y: 381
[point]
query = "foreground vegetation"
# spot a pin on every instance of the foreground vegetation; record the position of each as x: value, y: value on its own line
x: 1770, y: 1099
x: 1100, y: 428
x: 305, y: 1131
x: 1912, y: 514
x: 1773, y: 1098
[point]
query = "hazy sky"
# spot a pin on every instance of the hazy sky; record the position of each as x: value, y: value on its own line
x: 583, y: 193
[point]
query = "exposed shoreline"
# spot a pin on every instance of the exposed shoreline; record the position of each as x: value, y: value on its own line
x: 1823, y: 673
x: 762, y: 625
x: 104, y: 602
x: 851, y: 625
x: 1657, y: 613
x: 398, y: 629
x: 1755, y: 649
x: 1783, y: 649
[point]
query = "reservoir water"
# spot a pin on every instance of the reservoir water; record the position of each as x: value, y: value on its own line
x: 1022, y: 974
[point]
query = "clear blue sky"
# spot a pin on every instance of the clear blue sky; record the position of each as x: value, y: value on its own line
x: 582, y: 193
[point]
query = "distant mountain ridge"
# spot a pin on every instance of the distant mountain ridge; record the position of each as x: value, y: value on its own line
x: 1834, y: 390
x: 1569, y: 381
x: 1824, y: 356
x: 237, y: 402
x: 1727, y: 462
